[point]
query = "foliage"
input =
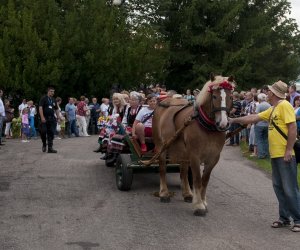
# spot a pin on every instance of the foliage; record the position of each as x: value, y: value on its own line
x: 88, y: 46
x: 79, y: 47
x: 253, y: 40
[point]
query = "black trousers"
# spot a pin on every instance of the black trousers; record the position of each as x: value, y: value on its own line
x: 94, y: 126
x: 47, y: 130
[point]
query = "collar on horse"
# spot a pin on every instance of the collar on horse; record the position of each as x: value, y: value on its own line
x: 204, y: 120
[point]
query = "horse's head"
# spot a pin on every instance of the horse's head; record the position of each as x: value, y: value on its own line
x: 216, y: 99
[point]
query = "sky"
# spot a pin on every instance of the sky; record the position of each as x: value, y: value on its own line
x: 296, y: 10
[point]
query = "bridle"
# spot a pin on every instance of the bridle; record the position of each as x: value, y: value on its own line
x: 213, y: 110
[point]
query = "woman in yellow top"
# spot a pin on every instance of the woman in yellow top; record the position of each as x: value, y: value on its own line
x: 284, y: 166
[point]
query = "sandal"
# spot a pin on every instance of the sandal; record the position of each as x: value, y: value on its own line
x: 279, y: 224
x: 296, y: 228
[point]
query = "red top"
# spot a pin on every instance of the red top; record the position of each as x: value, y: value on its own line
x: 80, y: 108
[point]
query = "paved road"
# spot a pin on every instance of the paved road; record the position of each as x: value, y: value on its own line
x: 69, y: 201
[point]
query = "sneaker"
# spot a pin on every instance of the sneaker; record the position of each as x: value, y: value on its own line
x: 57, y: 138
x: 25, y: 141
x: 44, y: 149
x: 144, y: 148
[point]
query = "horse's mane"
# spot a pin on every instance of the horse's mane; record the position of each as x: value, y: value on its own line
x: 204, y: 94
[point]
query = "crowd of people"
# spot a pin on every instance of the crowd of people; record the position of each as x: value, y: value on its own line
x: 79, y: 117
x: 255, y: 101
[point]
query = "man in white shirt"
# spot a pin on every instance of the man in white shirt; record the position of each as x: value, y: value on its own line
x: 2, y: 115
x: 104, y: 107
x: 22, y: 106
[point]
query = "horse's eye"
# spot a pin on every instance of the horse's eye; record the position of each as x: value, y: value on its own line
x: 214, y: 97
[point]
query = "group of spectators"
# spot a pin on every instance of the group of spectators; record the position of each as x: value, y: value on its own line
x: 10, y: 121
x: 79, y: 117
x: 255, y: 101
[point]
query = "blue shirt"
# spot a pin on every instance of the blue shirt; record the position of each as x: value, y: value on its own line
x: 298, y: 122
x: 70, y: 111
x: 292, y: 97
x: 260, y: 108
x: 94, y: 107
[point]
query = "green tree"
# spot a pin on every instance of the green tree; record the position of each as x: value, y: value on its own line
x: 253, y: 40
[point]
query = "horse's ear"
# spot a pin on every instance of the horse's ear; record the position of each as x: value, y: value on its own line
x: 230, y: 78
x: 212, y: 77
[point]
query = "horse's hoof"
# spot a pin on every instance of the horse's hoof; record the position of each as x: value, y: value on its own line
x: 165, y: 199
x: 200, y: 212
x: 188, y: 199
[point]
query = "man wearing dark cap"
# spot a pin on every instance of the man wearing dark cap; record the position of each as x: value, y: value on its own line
x: 282, y: 135
x: 47, y: 109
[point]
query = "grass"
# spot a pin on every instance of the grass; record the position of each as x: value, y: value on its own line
x: 264, y: 164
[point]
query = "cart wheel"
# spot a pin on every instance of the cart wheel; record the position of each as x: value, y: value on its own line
x: 124, y: 175
x: 190, y: 177
x: 110, y: 159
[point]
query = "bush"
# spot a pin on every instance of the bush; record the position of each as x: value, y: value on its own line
x: 16, y: 125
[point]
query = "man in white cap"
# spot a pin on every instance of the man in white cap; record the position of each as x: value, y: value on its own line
x: 282, y: 136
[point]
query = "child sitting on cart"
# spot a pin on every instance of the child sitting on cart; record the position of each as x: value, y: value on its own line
x: 142, y: 126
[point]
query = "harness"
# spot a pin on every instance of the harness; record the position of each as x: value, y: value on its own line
x: 203, y: 120
x: 206, y: 121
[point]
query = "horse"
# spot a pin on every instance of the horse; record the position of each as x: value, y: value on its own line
x: 200, y: 142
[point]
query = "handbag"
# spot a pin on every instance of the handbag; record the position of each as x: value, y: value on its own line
x: 296, y: 145
x: 9, y: 116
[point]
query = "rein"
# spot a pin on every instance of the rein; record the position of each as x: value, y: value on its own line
x: 166, y: 144
x: 164, y: 105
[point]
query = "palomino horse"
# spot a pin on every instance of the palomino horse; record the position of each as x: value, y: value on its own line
x: 199, y: 143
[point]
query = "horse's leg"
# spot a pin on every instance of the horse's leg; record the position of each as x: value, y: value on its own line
x: 163, y: 192
x: 208, y: 167
x: 200, y: 209
x: 185, y: 187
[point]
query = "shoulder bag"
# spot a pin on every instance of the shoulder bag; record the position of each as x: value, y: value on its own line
x: 296, y: 145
